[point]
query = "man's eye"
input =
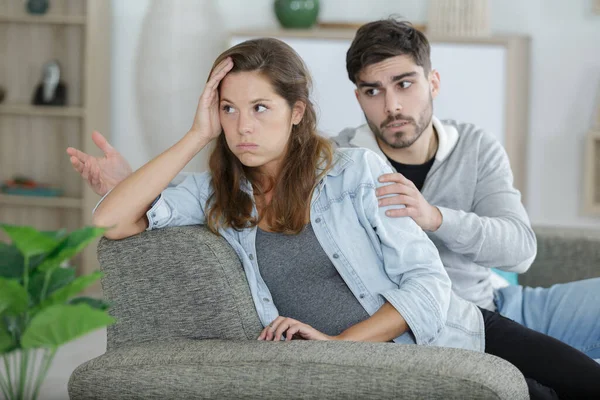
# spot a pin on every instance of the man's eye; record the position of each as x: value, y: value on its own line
x: 372, y: 92
x: 405, y: 84
x: 260, y: 108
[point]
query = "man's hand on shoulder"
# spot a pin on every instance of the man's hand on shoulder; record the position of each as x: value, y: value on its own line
x: 402, y: 191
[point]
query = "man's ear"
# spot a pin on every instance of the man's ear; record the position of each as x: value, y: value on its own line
x: 356, y: 93
x: 298, y: 112
x: 434, y: 81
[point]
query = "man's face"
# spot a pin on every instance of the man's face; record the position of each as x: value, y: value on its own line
x: 397, y: 99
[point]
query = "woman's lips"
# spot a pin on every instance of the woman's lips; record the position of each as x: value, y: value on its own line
x: 247, y: 146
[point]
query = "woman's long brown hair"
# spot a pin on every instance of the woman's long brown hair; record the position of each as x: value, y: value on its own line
x: 308, y: 156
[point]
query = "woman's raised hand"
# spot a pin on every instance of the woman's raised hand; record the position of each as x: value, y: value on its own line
x: 207, y: 124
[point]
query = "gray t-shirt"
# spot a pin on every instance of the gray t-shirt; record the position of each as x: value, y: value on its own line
x: 304, y: 283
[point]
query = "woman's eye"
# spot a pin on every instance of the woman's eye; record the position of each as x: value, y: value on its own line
x: 405, y: 84
x: 260, y: 108
x: 228, y: 109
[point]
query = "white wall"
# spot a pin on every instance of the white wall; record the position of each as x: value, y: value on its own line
x: 156, y: 99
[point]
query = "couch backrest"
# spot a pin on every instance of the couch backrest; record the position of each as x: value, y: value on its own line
x: 563, y: 255
x: 182, y: 282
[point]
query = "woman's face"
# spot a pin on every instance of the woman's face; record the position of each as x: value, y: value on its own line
x: 257, y: 121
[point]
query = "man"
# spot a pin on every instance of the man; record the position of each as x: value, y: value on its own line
x: 452, y: 178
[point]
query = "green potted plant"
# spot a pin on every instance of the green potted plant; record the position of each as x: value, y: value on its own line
x: 39, y: 310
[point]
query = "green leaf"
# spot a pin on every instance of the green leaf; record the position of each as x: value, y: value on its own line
x: 62, y: 295
x: 29, y: 241
x: 98, y: 304
x: 59, y: 278
x: 6, y: 340
x: 13, y: 297
x: 70, y: 246
x: 11, y: 261
x: 61, y: 323
x: 56, y: 235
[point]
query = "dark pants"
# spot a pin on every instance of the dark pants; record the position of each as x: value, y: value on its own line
x: 551, y: 368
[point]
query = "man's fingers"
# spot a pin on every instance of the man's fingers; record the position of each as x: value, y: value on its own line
x: 397, y: 200
x: 397, y: 188
x: 102, y: 143
x: 399, y: 212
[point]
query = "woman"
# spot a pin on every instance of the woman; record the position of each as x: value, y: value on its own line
x: 305, y: 222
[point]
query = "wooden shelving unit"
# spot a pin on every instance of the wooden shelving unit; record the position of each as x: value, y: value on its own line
x: 38, y: 111
x: 52, y: 20
x: 33, y: 139
x: 39, y: 201
x: 592, y: 173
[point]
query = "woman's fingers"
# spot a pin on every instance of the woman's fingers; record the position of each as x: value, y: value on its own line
x: 77, y: 165
x: 220, y: 71
x: 291, y: 332
x: 278, y: 327
x: 101, y: 142
x: 281, y: 329
x: 80, y: 155
x: 95, y: 176
x: 263, y: 334
x: 86, y: 171
x: 216, y: 78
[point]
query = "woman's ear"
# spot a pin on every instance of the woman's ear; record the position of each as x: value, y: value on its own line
x: 298, y: 112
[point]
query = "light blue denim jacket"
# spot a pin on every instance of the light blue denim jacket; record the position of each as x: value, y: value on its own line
x: 379, y: 258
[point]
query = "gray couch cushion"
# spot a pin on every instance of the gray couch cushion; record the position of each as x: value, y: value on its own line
x: 176, y: 283
x: 563, y: 255
x: 216, y: 369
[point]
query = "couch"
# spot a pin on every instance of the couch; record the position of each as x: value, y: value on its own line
x: 187, y: 329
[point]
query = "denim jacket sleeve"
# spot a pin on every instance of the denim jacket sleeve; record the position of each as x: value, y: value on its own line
x: 181, y: 205
x: 412, y: 261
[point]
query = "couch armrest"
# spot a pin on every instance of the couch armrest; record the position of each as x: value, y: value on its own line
x: 308, y: 369
x: 563, y: 255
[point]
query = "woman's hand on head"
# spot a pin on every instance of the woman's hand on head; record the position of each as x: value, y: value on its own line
x: 292, y: 329
x: 207, y: 124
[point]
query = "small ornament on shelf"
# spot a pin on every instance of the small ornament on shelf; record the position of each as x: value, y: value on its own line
x: 24, y: 186
x: 51, y: 91
x: 38, y: 7
x: 297, y: 14
x: 459, y: 18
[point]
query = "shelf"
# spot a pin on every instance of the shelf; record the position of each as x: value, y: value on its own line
x: 44, y: 19
x: 349, y: 33
x: 41, y: 111
x: 592, y: 174
x: 38, y: 201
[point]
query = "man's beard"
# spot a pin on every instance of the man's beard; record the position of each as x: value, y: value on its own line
x: 403, y: 139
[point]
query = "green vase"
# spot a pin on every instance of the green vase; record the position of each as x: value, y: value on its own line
x: 299, y: 14
x: 37, y: 6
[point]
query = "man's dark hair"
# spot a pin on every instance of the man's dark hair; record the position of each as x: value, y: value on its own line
x: 383, y: 39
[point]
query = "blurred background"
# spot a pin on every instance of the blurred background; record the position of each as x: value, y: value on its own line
x: 527, y: 71
x: 160, y: 59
